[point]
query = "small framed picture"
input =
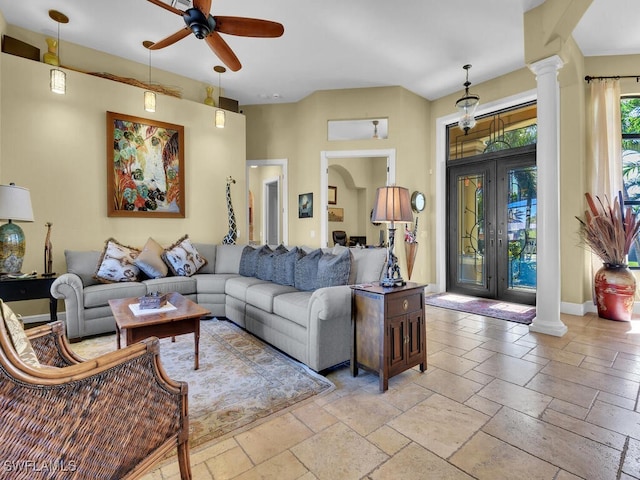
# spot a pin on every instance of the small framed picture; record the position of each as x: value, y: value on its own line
x: 336, y: 214
x: 305, y: 205
x: 333, y: 195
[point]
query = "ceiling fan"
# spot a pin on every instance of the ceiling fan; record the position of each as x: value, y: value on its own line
x: 205, y: 26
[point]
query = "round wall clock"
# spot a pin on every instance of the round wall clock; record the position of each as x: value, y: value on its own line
x: 417, y: 201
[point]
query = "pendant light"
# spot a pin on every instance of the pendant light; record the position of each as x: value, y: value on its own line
x: 375, y: 129
x: 467, y: 106
x: 221, y: 117
x: 57, y: 78
x: 149, y: 96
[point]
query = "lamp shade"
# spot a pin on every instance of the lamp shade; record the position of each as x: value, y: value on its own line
x: 393, y: 204
x: 15, y: 204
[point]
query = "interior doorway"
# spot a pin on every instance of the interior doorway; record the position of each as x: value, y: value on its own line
x: 258, y: 174
x: 271, y: 209
x: 492, y: 220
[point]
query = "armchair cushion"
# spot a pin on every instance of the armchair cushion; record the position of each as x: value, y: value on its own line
x: 19, y: 339
x: 117, y: 263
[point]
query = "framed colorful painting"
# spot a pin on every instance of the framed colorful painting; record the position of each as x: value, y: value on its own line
x: 145, y: 168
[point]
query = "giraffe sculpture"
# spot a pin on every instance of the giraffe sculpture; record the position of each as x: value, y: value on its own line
x: 232, y: 235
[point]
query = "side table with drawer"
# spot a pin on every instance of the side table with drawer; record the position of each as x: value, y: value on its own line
x: 388, y: 330
x: 17, y: 289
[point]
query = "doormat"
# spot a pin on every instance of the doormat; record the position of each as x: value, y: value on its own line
x: 512, y: 312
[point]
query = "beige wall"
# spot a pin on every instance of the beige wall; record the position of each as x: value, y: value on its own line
x: 55, y: 145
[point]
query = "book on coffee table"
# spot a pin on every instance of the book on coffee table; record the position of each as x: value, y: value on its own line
x: 137, y: 311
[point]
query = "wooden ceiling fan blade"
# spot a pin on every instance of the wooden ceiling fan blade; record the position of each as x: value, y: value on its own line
x: 161, y: 4
x: 248, y: 27
x: 223, y: 51
x: 171, y: 39
x: 203, y: 5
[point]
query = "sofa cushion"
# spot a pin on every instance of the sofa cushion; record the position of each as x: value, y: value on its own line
x: 262, y: 295
x: 182, y: 285
x: 207, y: 251
x: 19, y: 339
x: 293, y: 306
x: 307, y: 271
x: 228, y: 258
x: 99, y: 295
x: 208, y: 283
x: 150, y: 260
x: 237, y: 287
x: 116, y: 263
x: 369, y: 264
x: 83, y: 264
x: 183, y: 258
x: 333, y: 270
x: 284, y: 267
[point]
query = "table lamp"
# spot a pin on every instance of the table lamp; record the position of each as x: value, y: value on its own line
x: 393, y: 204
x: 15, y: 205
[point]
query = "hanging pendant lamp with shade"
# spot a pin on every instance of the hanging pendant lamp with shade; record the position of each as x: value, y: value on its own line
x: 467, y: 105
x: 220, y: 118
x: 149, y: 96
x: 57, y: 78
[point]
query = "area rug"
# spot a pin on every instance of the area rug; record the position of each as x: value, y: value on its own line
x: 512, y: 312
x: 240, y: 380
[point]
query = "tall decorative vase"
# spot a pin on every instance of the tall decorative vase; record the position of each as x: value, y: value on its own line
x: 51, y: 55
x: 615, y: 287
x: 411, y: 249
x: 209, y: 100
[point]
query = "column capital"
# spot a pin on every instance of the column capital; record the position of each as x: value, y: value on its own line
x: 546, y: 65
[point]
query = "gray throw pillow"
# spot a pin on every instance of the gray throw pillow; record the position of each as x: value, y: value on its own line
x: 264, y: 266
x: 284, y: 267
x: 307, y: 271
x: 248, y: 261
x: 333, y: 270
x: 83, y: 264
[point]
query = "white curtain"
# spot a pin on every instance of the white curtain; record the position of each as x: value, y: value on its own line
x: 604, y: 149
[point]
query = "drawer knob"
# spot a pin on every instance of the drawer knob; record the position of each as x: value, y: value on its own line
x: 405, y: 304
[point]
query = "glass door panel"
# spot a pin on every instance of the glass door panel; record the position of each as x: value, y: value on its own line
x: 470, y: 230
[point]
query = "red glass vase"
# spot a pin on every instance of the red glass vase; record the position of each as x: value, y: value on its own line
x: 615, y: 287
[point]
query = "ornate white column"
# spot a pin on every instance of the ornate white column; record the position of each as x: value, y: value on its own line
x: 548, y: 214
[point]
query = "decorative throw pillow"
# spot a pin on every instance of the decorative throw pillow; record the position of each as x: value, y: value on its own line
x: 333, y: 269
x: 264, y: 266
x: 307, y: 271
x: 150, y: 260
x: 19, y: 339
x: 83, y: 264
x: 116, y: 263
x: 248, y: 261
x: 183, y: 258
x: 284, y: 267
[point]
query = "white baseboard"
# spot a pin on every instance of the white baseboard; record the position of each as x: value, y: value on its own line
x: 42, y: 317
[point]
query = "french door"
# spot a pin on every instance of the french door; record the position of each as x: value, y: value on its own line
x: 491, y: 223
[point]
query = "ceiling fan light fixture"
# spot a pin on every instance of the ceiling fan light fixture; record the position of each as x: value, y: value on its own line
x: 197, y: 23
x: 467, y: 106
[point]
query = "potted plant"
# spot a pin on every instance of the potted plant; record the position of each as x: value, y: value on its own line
x: 610, y: 230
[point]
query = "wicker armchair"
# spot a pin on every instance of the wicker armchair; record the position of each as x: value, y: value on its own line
x: 112, y: 417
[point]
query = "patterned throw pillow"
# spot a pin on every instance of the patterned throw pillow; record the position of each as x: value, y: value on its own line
x: 116, y: 263
x: 333, y: 269
x: 19, y: 339
x: 150, y: 260
x: 307, y: 271
x: 266, y: 263
x: 183, y: 258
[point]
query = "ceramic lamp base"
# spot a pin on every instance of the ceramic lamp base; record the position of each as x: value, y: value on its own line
x: 12, y: 248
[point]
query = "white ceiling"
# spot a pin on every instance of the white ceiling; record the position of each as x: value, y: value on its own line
x: 333, y: 44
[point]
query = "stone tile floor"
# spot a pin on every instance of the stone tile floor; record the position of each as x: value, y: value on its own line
x: 496, y: 402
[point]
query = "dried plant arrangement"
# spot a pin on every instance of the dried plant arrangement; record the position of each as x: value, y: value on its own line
x: 609, y: 230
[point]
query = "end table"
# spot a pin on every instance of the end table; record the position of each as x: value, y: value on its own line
x: 388, y: 329
x: 18, y: 289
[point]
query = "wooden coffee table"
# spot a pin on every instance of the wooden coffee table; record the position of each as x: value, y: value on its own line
x: 184, y: 319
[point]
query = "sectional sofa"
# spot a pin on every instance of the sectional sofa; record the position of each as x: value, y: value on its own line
x: 310, y: 324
